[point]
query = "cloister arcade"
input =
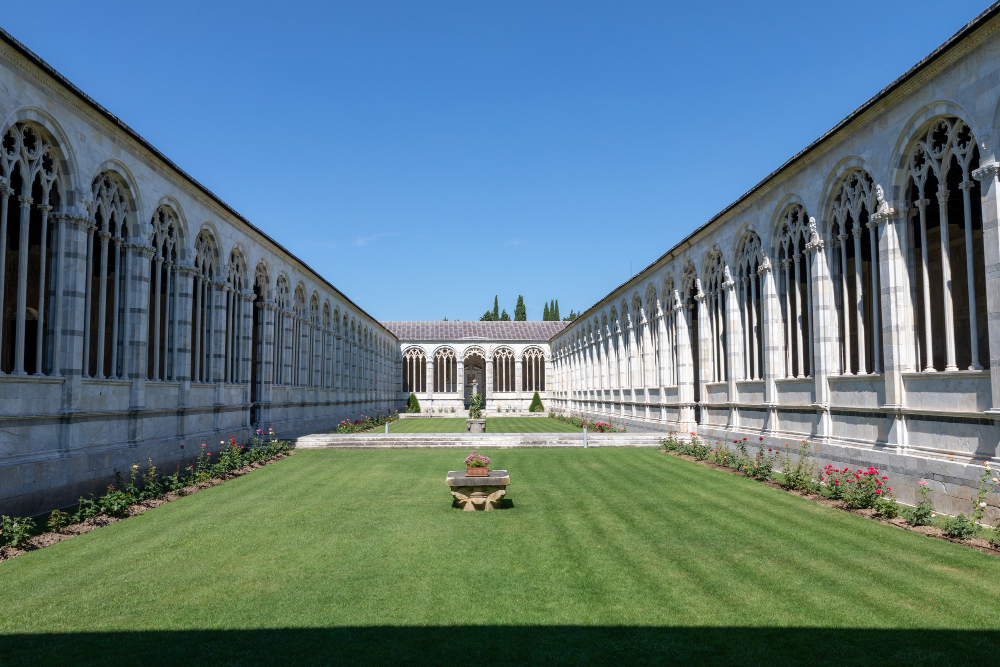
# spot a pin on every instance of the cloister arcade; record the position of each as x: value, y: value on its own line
x: 444, y: 376
x: 852, y: 297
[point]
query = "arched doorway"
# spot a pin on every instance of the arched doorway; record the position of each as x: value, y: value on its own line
x: 475, y: 374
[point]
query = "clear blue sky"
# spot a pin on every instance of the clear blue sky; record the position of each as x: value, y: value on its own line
x: 424, y: 156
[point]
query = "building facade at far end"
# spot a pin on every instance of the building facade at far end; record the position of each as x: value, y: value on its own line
x: 445, y: 363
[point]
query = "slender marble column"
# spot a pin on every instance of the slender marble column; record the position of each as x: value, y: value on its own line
x: 990, y: 202
x: 43, y: 257
x: 5, y: 194
x: 925, y: 272
x: 22, y: 285
x: 970, y: 276
x: 946, y: 286
x: 876, y: 323
x: 844, y: 295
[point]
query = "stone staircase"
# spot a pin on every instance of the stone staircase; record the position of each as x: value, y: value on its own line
x: 472, y: 440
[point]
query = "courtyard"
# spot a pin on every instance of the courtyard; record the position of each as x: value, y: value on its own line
x: 326, y: 557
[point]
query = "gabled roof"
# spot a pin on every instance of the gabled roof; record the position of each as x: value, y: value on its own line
x: 455, y: 330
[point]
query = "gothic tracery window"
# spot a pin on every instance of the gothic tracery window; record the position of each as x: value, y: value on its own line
x: 29, y: 252
x: 503, y: 370
x: 107, y: 292
x: 750, y: 297
x: 206, y: 268
x: 414, y: 371
x: 163, y: 336
x: 445, y: 370
x: 855, y: 273
x: 235, y: 287
x: 946, y: 263
x: 282, y: 307
x: 716, y: 294
x: 533, y: 370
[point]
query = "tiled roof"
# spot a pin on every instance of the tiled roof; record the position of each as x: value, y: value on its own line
x: 453, y: 330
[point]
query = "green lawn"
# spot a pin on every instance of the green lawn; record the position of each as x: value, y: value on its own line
x: 622, y: 556
x: 493, y: 425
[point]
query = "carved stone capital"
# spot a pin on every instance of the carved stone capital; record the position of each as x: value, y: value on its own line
x: 986, y: 171
x: 25, y: 201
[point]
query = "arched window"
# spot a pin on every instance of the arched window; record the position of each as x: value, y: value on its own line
x: 716, y: 296
x: 445, y: 370
x: 947, y: 270
x: 694, y: 303
x: 414, y: 371
x: 163, y: 338
x: 282, y: 306
x: 615, y: 351
x: 503, y: 370
x: 327, y: 347
x: 670, y: 311
x: 235, y: 286
x: 653, y: 315
x: 533, y: 370
x: 750, y: 295
x: 29, y: 253
x: 627, y: 346
x: 637, y: 319
x: 313, y: 344
x: 794, y: 290
x: 855, y: 273
x: 206, y: 262
x: 298, y: 319
x: 106, y: 289
x: 257, y: 338
x: 606, y: 352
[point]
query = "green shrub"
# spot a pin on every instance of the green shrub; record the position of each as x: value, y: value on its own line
x: 888, y: 506
x: 57, y: 521
x: 15, y: 531
x: 668, y: 444
x: 995, y: 536
x: 959, y: 527
x: 412, y: 404
x: 476, y: 406
x: 536, y: 404
x: 922, y: 514
x: 798, y: 477
x: 699, y: 449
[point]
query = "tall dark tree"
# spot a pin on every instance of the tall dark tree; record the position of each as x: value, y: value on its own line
x: 545, y: 313
x: 520, y: 314
x: 556, y: 315
x: 504, y: 317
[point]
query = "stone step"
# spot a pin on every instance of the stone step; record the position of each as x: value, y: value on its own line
x: 473, y: 440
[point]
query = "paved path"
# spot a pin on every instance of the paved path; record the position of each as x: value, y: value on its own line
x: 466, y: 440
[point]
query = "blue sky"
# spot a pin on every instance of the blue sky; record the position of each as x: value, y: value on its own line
x: 424, y: 156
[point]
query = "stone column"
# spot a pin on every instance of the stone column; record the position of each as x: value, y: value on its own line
x: 897, y: 314
x: 71, y: 315
x: 430, y: 377
x: 734, y: 351
x: 685, y: 366
x: 705, y: 344
x: 824, y: 329
x: 987, y: 175
x: 773, y: 339
x: 489, y: 378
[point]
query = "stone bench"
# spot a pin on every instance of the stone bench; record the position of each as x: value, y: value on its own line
x: 478, y: 493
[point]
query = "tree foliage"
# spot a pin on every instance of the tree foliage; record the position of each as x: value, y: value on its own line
x: 520, y: 314
x: 536, y: 404
x: 412, y: 404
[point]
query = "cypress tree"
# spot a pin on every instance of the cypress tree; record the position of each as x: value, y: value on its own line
x: 496, y: 308
x: 536, y: 404
x: 545, y: 313
x: 412, y: 404
x: 504, y: 317
x: 520, y: 314
x: 556, y: 316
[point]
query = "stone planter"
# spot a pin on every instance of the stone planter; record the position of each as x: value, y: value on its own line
x: 475, y: 426
x: 477, y: 472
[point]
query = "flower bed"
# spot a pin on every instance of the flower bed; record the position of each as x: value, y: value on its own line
x: 862, y: 491
x: 366, y: 423
x: 591, y: 424
x: 142, y: 491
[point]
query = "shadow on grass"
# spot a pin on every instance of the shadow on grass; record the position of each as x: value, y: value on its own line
x: 491, y: 645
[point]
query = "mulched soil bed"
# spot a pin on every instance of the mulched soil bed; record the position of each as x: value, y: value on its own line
x: 977, y: 543
x: 101, y: 520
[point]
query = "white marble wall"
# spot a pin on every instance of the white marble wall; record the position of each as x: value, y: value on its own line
x: 63, y: 433
x: 895, y: 414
